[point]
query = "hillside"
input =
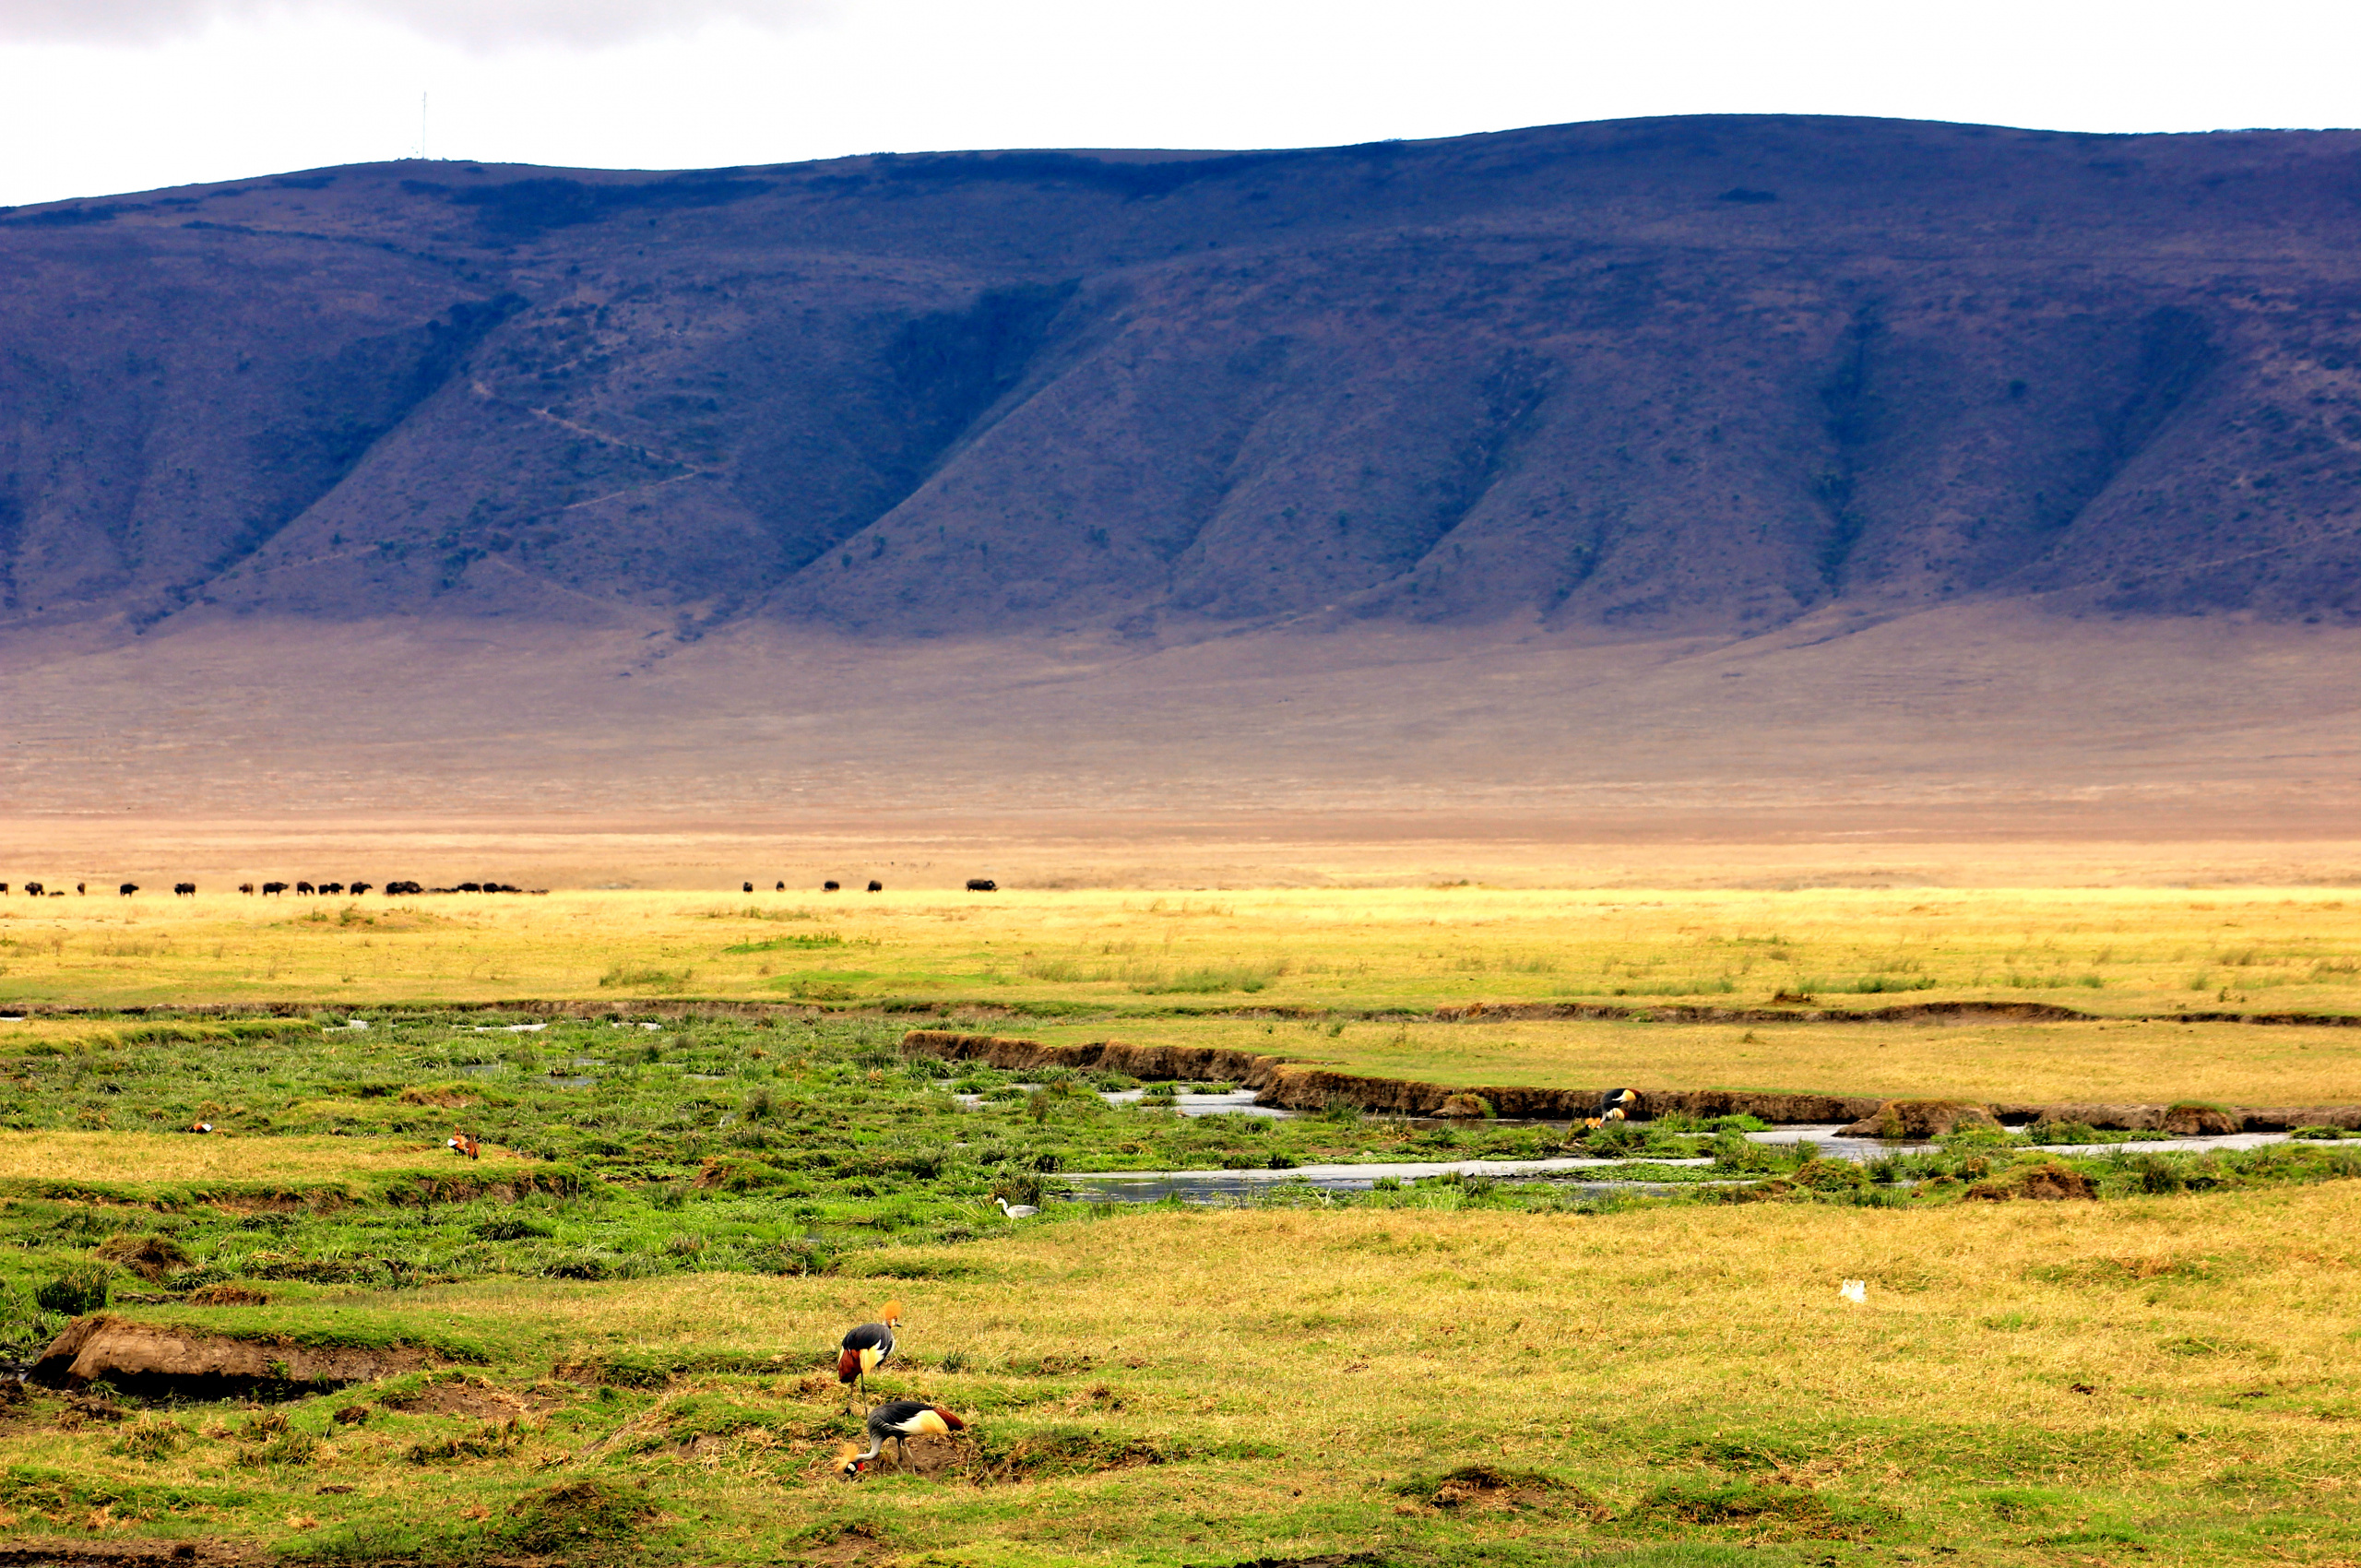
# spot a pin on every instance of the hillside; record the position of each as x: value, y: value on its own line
x: 1663, y: 378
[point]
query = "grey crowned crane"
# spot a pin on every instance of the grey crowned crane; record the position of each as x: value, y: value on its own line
x: 1017, y: 1211
x: 865, y: 1349
x: 1615, y: 1105
x: 895, y: 1423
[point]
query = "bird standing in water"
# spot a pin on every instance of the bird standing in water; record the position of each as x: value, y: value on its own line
x: 896, y: 1423
x: 866, y: 1348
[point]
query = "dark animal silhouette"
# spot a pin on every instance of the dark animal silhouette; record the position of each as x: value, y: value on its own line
x: 402, y: 889
x: 982, y: 884
x: 79, y: 888
x: 358, y: 888
x: 33, y: 889
x: 271, y: 888
x: 305, y: 889
x: 331, y: 887
x: 247, y: 887
x: 4, y: 887
x: 748, y: 888
x: 782, y: 888
x: 128, y: 889
x: 183, y: 889
x: 875, y: 886
x: 828, y: 887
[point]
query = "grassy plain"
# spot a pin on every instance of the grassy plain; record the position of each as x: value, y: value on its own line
x: 626, y: 1309
x: 2164, y: 1378
x: 1366, y: 964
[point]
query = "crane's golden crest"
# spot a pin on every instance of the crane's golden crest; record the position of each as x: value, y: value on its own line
x: 893, y: 1312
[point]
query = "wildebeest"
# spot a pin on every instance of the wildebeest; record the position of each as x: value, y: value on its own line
x: 875, y: 886
x: 33, y: 889
x: 402, y: 889
x: 304, y: 890
x: 247, y: 887
x: 332, y: 888
x: 183, y: 889
x: 128, y: 889
x: 747, y: 887
x: 358, y: 888
x: 982, y: 884
x: 828, y: 887
x: 271, y: 888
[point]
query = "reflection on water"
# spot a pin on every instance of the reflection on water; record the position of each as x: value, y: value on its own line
x: 1236, y: 1101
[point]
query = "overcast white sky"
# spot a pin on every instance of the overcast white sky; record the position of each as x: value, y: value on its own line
x: 102, y: 96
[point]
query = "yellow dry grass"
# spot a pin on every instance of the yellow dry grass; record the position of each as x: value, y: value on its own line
x: 2025, y: 1064
x: 188, y: 1157
x: 1142, y: 959
x: 2158, y: 1354
x: 2106, y: 949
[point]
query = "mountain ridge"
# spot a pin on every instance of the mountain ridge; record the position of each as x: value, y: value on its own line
x: 1701, y: 376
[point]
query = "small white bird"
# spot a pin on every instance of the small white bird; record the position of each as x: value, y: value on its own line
x: 1017, y: 1211
x: 1855, y: 1290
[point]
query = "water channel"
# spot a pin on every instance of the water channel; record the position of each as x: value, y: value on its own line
x: 1228, y: 1186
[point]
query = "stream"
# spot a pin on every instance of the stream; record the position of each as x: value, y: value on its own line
x: 1220, y: 1186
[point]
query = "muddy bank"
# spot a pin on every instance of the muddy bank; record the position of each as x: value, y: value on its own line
x: 1299, y: 1086
x: 154, y: 1359
x: 1802, y: 1010
x: 1296, y: 1086
x: 80, y: 1552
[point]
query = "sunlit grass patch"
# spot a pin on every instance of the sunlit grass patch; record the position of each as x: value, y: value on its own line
x: 190, y: 1157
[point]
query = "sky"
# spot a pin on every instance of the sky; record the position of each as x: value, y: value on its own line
x: 107, y: 96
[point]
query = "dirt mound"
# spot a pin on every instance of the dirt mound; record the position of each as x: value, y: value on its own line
x: 2190, y: 1119
x: 578, y: 1518
x: 1770, y: 1510
x: 1919, y: 1119
x: 1473, y: 1487
x: 153, y: 1358
x: 2049, y: 1182
x: 227, y: 1293
x: 460, y: 1395
x: 147, y: 1256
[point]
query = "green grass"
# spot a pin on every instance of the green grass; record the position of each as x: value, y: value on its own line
x: 629, y: 1306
